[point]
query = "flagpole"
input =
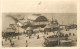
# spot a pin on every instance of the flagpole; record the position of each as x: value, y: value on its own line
x: 58, y: 35
x: 18, y: 31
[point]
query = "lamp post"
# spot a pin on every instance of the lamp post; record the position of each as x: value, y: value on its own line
x: 11, y: 25
x: 18, y: 30
x: 58, y: 35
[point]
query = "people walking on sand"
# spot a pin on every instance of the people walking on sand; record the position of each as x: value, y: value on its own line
x: 38, y: 37
x: 12, y: 44
x: 70, y: 34
x: 47, y: 33
x: 2, y: 43
x: 26, y: 43
x: 10, y: 40
x: 73, y: 34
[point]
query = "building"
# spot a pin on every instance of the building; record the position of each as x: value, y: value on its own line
x: 40, y: 21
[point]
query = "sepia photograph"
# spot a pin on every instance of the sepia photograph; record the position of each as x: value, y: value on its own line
x: 39, y: 30
x: 39, y: 23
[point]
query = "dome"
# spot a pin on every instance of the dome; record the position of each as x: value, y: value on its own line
x: 41, y: 18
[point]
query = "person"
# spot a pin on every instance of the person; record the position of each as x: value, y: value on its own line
x: 66, y: 37
x: 47, y: 33
x: 12, y: 44
x: 73, y: 34
x: 26, y: 43
x: 10, y: 41
x: 38, y: 37
x: 2, y: 43
x: 69, y: 33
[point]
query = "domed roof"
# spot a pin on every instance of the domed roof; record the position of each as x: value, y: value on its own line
x: 41, y: 18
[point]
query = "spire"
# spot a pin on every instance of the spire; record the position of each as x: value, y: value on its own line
x: 52, y: 19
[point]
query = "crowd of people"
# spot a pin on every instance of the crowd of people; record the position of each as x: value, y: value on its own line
x: 12, y: 44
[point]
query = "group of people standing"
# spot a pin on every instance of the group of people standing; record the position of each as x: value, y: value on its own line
x: 11, y: 42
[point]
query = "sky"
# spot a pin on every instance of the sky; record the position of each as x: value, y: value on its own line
x: 40, y: 6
